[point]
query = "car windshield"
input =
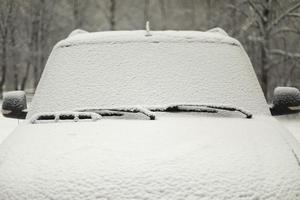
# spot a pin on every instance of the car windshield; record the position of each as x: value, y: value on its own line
x: 131, y: 69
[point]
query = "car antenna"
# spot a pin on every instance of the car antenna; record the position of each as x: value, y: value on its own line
x: 148, y: 29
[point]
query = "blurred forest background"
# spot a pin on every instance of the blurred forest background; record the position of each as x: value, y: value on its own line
x: 268, y: 29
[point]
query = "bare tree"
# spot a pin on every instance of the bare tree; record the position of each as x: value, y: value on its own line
x: 265, y: 20
x: 78, y: 8
x: 268, y: 29
x: 112, y: 19
x: 146, y: 11
x: 163, y: 10
x: 38, y: 18
x: 6, y: 13
x: 76, y: 13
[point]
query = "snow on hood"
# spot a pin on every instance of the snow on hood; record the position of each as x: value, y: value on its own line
x: 199, y: 158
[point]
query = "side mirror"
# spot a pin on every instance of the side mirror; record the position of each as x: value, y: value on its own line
x: 286, y: 100
x: 14, y: 105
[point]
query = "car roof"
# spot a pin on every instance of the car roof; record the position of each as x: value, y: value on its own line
x: 215, y: 35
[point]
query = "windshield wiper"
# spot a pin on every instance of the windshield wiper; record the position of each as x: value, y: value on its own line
x: 210, y: 108
x: 118, y: 111
x: 149, y: 112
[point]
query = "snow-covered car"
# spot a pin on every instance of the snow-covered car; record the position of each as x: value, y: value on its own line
x: 149, y: 115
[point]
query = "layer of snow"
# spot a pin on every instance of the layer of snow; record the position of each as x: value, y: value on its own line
x: 286, y: 96
x: 212, y: 36
x: 218, y: 30
x: 178, y: 156
x: 212, y: 108
x: 6, y: 127
x: 77, y: 32
x: 14, y: 101
x: 292, y: 123
x: 115, y: 69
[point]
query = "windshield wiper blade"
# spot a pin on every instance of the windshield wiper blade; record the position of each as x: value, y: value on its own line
x: 116, y: 111
x: 211, y: 108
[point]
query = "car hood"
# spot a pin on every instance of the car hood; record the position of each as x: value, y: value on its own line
x: 174, y: 157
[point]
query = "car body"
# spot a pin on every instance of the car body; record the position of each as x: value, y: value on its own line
x: 56, y: 154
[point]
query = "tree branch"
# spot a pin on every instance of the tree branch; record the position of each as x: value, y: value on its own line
x: 286, y: 30
x: 294, y: 15
x: 283, y: 15
x: 256, y: 10
x: 285, y: 53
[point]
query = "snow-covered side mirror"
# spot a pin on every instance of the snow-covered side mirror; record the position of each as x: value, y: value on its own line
x: 286, y: 100
x: 14, y: 105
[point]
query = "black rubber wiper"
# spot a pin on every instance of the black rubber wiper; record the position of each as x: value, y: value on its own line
x: 118, y: 111
x: 210, y: 108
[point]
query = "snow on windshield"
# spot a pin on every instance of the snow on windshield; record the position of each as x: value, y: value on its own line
x: 142, y: 71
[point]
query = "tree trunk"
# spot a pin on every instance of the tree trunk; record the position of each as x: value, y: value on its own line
x: 163, y: 14
x: 265, y: 47
x: 146, y: 11
x: 14, y: 56
x: 112, y: 20
x: 76, y: 13
x: 25, y: 77
x: 4, y: 64
x: 264, y: 71
x: 16, y: 77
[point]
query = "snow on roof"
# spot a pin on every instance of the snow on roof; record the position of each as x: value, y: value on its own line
x: 215, y: 35
x: 76, y: 32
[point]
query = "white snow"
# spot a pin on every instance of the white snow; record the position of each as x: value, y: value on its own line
x: 14, y: 100
x: 289, y: 96
x: 77, y: 32
x: 7, y: 125
x: 212, y: 108
x: 115, y: 69
x: 179, y: 156
x: 211, y: 36
x: 292, y: 123
x: 218, y: 31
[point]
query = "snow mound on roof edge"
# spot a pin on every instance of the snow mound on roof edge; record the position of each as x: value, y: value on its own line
x: 76, y: 32
x: 218, y: 30
x: 211, y: 36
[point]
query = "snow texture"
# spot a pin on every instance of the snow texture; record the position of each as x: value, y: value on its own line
x: 215, y: 35
x: 132, y: 109
x: 218, y: 31
x: 286, y: 96
x: 179, y: 156
x: 7, y: 125
x: 126, y: 68
x: 213, y: 108
x: 292, y: 123
x: 76, y: 32
x: 14, y: 101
